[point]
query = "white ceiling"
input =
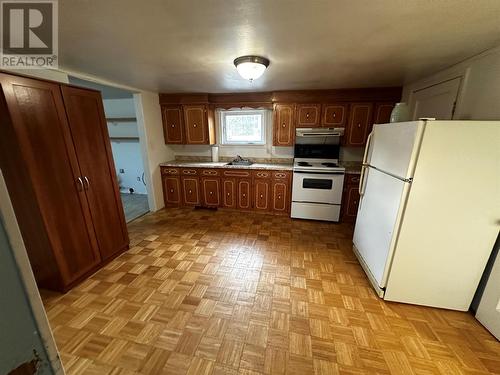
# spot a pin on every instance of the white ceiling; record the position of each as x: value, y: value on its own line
x: 188, y: 45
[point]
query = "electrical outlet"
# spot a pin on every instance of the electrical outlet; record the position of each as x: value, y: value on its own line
x: 122, y: 170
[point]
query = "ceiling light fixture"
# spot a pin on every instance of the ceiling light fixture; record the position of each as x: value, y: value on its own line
x: 251, y: 67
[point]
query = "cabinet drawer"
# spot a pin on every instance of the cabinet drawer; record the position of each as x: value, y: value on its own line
x: 169, y: 171
x: 236, y: 173
x: 210, y: 172
x: 189, y: 172
x: 281, y: 175
x: 352, y: 179
x: 262, y: 174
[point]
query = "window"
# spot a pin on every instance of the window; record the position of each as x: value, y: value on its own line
x: 243, y: 127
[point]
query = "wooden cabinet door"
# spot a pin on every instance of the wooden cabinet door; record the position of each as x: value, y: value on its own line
x: 280, y: 196
x: 195, y: 119
x: 229, y: 193
x: 308, y: 115
x: 172, y: 190
x: 334, y: 115
x: 244, y: 193
x: 190, y: 191
x: 173, y: 126
x: 359, y: 124
x: 38, y: 122
x: 261, y: 194
x: 350, y: 203
x: 210, y: 187
x: 88, y: 127
x: 283, y: 125
x: 382, y: 113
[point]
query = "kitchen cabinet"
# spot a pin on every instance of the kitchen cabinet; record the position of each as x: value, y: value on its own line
x: 284, y: 125
x: 172, y: 190
x: 259, y: 190
x: 308, y: 115
x: 229, y: 192
x: 280, y: 192
x: 382, y: 113
x: 350, y: 198
x: 196, y: 123
x: 333, y: 115
x: 58, y: 167
x: 173, y: 125
x: 359, y: 125
x: 210, y: 188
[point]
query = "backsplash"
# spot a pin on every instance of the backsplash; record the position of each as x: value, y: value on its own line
x: 190, y: 158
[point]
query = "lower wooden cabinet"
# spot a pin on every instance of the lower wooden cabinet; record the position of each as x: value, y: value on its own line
x: 190, y: 191
x: 260, y: 190
x: 350, y: 198
x: 210, y: 188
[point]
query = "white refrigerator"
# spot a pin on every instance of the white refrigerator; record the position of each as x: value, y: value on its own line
x: 429, y: 209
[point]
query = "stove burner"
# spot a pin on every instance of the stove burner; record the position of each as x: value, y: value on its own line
x: 304, y: 164
x: 329, y: 165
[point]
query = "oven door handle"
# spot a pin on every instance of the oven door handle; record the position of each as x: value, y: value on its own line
x: 324, y: 173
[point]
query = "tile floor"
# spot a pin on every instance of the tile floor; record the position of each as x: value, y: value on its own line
x: 134, y: 205
x: 217, y: 292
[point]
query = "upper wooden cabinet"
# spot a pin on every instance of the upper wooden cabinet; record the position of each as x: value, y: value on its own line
x: 359, y: 124
x: 173, y: 126
x: 334, y: 115
x: 195, y: 117
x: 308, y: 115
x: 284, y: 125
x: 191, y: 124
x: 382, y: 113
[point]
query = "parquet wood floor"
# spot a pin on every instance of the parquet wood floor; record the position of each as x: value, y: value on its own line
x: 204, y: 292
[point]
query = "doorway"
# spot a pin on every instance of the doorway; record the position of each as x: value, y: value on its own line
x: 120, y: 112
x: 437, y: 101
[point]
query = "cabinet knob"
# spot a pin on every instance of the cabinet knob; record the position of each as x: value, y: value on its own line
x: 359, y: 125
x: 355, y: 202
x: 211, y: 193
x: 279, y: 196
x: 307, y: 115
x: 334, y: 115
x: 228, y: 194
x: 261, y: 195
x: 194, y: 125
x: 283, y: 125
x: 190, y: 191
x: 171, y: 190
x: 172, y: 126
x: 244, y: 195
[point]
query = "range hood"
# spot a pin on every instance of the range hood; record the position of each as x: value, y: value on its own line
x: 318, y: 135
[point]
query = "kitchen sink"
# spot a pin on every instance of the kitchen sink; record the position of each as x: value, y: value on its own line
x: 242, y: 162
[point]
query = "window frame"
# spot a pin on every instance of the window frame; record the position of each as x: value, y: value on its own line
x: 222, y: 126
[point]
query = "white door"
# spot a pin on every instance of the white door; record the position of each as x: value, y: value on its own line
x: 377, y: 221
x: 488, y: 312
x: 437, y: 101
x: 393, y: 147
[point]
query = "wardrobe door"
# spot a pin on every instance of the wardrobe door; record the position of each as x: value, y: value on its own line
x: 38, y: 129
x: 90, y: 136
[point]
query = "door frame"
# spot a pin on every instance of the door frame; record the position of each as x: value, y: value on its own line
x: 9, y: 220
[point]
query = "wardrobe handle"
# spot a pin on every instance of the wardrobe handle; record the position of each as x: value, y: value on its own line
x: 87, y: 183
x: 79, y: 179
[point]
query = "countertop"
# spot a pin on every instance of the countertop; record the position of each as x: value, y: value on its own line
x: 210, y: 164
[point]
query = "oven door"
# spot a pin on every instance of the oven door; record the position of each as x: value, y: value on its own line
x: 317, y: 187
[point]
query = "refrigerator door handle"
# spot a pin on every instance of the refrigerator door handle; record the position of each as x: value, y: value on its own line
x: 362, y: 181
x: 367, y: 148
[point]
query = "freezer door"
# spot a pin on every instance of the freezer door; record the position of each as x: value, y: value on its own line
x: 378, y: 221
x: 394, y: 147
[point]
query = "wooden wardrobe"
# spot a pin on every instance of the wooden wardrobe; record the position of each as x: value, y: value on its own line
x: 56, y: 158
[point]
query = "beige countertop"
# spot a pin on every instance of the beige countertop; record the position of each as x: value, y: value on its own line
x: 210, y: 164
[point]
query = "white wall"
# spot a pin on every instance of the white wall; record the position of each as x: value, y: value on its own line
x: 153, y: 148
x: 127, y: 154
x: 479, y: 95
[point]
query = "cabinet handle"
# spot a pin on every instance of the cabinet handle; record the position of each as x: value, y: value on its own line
x: 261, y: 195
x: 87, y: 183
x: 211, y: 193
x: 190, y: 191
x: 171, y: 190
x: 194, y: 125
x: 359, y: 125
x: 173, y: 126
x: 334, y: 115
x: 244, y: 195
x: 283, y: 125
x: 307, y: 115
x: 228, y: 194
x: 79, y: 179
x: 279, y: 196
